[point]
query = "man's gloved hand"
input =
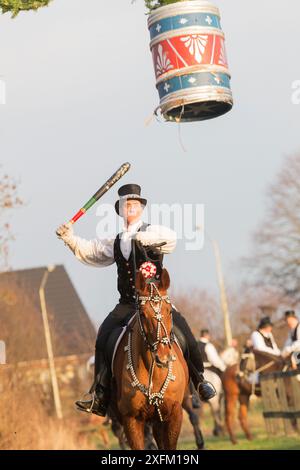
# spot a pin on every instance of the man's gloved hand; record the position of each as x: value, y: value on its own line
x: 65, y: 231
x: 149, y: 239
x: 146, y: 238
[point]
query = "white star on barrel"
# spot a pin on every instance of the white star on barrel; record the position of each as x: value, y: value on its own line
x: 208, y: 20
x: 167, y: 87
x: 158, y: 28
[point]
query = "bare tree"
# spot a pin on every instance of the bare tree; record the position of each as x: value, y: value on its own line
x: 248, y: 304
x: 9, y: 200
x: 201, y: 310
x: 276, y: 257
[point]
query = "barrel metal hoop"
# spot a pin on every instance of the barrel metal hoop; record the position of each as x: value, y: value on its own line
x: 192, y: 69
x: 182, y: 8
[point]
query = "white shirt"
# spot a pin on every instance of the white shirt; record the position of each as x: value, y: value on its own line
x: 259, y: 344
x: 212, y: 355
x: 100, y: 253
x: 230, y: 356
x: 290, y: 345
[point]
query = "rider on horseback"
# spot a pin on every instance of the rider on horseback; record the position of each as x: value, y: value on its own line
x: 263, y: 340
x: 129, y: 256
x: 209, y: 354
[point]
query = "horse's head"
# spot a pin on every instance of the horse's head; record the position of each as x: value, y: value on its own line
x: 155, y: 317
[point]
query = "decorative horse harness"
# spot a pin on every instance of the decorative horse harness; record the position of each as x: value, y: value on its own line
x: 156, y: 301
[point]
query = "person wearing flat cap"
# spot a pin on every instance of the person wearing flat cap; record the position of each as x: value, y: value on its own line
x: 263, y: 340
x: 127, y: 250
x: 293, y: 342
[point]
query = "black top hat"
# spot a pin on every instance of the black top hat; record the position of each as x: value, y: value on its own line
x: 129, y: 191
x: 290, y: 313
x: 204, y: 332
x: 265, y: 321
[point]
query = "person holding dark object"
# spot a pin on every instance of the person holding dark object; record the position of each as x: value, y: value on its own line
x: 127, y: 250
x: 263, y: 340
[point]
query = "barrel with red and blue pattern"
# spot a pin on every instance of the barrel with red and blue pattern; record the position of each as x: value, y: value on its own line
x: 190, y: 62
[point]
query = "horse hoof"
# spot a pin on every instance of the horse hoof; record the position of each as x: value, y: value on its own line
x: 201, y: 447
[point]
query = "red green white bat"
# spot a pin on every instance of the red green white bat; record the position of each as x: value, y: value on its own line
x: 106, y: 186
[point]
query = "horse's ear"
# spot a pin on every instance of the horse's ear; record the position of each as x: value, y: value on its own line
x: 164, y: 280
x: 140, y: 282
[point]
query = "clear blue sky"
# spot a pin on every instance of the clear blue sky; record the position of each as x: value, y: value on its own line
x: 80, y: 86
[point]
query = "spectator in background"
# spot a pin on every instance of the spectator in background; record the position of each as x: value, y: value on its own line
x: 263, y: 340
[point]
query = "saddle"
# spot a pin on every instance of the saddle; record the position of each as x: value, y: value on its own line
x: 113, y: 342
x: 117, y: 335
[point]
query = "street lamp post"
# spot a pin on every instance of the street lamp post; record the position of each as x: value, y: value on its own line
x: 224, y: 303
x: 2, y: 353
x: 57, y: 401
x: 223, y: 295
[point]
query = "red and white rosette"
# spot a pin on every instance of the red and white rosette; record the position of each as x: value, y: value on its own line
x: 148, y: 270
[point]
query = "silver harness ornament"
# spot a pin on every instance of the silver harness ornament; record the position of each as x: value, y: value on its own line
x: 156, y: 301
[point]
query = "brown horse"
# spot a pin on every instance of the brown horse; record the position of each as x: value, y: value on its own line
x: 238, y: 388
x: 150, y: 372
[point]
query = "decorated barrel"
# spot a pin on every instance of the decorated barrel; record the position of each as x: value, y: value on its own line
x: 190, y: 63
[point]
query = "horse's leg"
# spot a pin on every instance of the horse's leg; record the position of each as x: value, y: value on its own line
x: 194, y: 420
x: 171, y: 428
x: 243, y: 415
x: 149, y: 440
x: 158, y: 435
x: 216, y: 414
x: 230, y: 407
x: 134, y: 431
x: 118, y: 431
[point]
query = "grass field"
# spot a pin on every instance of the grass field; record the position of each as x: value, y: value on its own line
x: 261, y: 441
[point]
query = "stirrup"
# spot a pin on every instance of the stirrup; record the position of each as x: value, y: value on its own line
x: 92, y: 396
x: 89, y: 410
x: 211, y: 391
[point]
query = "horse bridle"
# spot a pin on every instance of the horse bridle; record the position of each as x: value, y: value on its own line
x: 154, y: 398
x: 156, y: 300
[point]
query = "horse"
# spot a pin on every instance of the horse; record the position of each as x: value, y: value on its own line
x: 152, y: 377
x: 239, y: 383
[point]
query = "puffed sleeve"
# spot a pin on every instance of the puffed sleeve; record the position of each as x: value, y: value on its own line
x: 97, y: 253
